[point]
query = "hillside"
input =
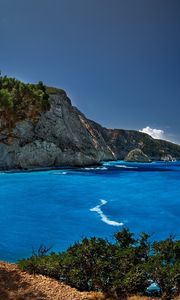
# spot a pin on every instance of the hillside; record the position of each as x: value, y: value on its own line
x: 39, y: 127
x: 18, y: 285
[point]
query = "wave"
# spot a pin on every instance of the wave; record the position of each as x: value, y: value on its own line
x: 60, y: 173
x: 125, y: 167
x: 104, y: 218
x: 97, y: 168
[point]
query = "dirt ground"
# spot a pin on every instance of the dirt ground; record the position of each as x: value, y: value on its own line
x: 17, y: 285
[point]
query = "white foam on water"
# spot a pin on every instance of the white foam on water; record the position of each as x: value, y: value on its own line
x: 126, y: 167
x: 97, y: 168
x: 104, y: 218
x: 60, y: 173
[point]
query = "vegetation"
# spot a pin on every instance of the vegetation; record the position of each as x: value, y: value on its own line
x: 19, y: 100
x: 119, y: 269
x: 54, y: 91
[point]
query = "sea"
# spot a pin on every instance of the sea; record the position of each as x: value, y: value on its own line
x: 59, y: 207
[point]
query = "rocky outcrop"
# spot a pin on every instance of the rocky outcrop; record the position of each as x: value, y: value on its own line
x: 167, y: 157
x: 63, y: 136
x: 137, y: 155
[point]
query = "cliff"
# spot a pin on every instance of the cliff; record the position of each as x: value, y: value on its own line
x: 121, y: 142
x: 61, y: 135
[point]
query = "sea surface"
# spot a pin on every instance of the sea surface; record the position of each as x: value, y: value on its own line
x: 58, y: 207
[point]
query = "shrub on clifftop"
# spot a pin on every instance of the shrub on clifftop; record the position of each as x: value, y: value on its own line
x: 19, y: 100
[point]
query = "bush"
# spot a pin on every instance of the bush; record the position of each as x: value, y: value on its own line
x: 122, y: 268
x: 164, y: 266
x: 19, y: 100
x: 55, y: 91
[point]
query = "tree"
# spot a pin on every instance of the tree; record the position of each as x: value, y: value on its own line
x: 164, y: 267
x: 125, y: 238
x: 6, y: 106
x: 41, y: 86
x: 6, y: 101
x: 0, y: 79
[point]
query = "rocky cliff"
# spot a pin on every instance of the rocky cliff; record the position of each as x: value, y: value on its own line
x: 121, y: 142
x: 63, y: 136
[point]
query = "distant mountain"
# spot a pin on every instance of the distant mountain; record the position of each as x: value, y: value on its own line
x: 40, y: 128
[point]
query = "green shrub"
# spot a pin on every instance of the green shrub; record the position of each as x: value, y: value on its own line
x: 164, y: 266
x: 122, y: 268
x: 20, y: 100
x: 55, y: 91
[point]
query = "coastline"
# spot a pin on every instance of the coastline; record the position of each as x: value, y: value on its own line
x: 69, y: 167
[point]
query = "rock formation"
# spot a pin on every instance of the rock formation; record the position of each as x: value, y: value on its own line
x: 63, y: 136
x: 137, y: 155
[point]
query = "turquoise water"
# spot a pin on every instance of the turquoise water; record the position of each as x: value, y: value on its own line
x: 59, y: 207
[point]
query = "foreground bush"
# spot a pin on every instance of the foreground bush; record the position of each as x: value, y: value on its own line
x: 122, y: 268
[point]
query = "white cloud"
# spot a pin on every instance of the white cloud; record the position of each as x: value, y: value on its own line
x: 155, y: 133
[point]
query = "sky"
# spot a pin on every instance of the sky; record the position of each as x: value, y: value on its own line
x: 118, y: 60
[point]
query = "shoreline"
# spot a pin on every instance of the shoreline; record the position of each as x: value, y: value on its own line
x: 69, y: 167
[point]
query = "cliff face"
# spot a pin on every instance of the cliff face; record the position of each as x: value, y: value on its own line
x: 63, y: 136
x: 123, y: 141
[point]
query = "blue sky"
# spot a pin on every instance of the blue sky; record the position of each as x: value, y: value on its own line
x: 118, y: 60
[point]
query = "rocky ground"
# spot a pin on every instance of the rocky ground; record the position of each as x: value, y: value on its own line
x: 18, y: 285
